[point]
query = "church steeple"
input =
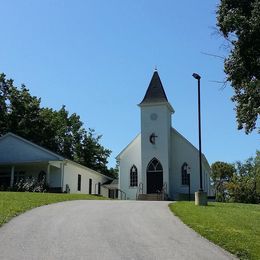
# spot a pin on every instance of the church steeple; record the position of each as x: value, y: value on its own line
x: 155, y: 92
x: 156, y: 113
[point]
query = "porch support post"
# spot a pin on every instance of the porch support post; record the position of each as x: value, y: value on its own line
x: 12, y: 177
x: 62, y: 174
x: 48, y: 174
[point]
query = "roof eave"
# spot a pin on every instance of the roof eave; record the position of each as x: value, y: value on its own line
x: 59, y: 157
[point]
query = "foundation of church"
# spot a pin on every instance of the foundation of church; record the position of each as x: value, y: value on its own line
x: 201, y: 198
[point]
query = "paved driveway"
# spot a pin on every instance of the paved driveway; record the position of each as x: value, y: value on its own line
x: 103, y: 230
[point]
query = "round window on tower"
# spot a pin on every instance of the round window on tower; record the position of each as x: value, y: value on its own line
x: 154, y: 116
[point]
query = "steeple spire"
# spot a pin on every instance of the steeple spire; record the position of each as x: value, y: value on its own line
x: 155, y: 92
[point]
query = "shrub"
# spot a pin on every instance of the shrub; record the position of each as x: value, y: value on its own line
x: 32, y: 184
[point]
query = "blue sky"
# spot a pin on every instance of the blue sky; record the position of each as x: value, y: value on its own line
x: 97, y: 58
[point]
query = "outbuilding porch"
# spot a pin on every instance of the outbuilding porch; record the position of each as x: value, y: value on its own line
x: 53, y: 172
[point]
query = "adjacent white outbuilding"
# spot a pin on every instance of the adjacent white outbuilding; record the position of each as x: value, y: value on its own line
x: 20, y: 158
x: 160, y: 158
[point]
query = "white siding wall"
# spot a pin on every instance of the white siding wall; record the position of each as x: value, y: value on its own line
x: 131, y: 156
x: 71, y: 172
x: 183, y: 151
x: 104, y: 192
x: 55, y: 177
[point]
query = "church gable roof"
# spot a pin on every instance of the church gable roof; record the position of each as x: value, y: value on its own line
x: 188, y: 142
x: 155, y: 92
x: 128, y: 146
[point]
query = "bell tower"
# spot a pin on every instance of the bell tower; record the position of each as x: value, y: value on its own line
x: 156, y: 114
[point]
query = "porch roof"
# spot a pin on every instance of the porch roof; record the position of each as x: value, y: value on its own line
x: 26, y: 163
x: 15, y: 149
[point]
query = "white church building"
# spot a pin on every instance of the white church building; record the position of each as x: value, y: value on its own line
x: 160, y: 161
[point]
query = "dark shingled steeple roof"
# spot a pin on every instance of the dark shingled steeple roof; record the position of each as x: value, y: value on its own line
x: 155, y: 92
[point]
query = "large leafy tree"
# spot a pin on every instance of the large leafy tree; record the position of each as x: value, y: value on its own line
x: 239, y: 22
x: 21, y: 113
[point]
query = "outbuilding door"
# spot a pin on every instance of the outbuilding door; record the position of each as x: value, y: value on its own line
x: 154, y: 176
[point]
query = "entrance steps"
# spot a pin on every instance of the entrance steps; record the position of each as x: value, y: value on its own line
x: 151, y: 197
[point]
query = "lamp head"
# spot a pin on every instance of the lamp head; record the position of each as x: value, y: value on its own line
x: 196, y: 76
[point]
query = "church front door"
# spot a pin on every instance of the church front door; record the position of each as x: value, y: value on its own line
x: 154, y: 176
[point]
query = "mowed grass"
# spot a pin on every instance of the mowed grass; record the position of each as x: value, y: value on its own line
x: 233, y: 226
x: 15, y: 203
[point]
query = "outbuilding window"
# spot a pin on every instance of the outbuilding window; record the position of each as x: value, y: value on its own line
x: 133, y: 176
x: 99, y: 188
x: 79, y: 182
x: 90, y: 186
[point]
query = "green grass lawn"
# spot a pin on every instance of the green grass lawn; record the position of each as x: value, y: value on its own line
x: 15, y: 203
x: 233, y: 226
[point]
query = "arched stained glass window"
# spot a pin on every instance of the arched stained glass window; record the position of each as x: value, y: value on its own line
x: 184, y: 174
x: 133, y: 176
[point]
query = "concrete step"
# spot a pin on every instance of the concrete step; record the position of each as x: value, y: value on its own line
x: 153, y: 196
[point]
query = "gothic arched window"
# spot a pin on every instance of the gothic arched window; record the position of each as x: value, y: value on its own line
x: 133, y: 176
x: 154, y: 166
x: 184, y: 174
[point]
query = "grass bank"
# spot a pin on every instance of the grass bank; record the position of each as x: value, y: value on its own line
x: 15, y: 203
x: 233, y: 226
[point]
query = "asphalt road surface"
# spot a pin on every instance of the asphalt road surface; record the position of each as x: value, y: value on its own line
x: 103, y: 230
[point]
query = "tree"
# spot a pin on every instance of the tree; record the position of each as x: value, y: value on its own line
x: 93, y: 154
x: 244, y: 185
x: 239, y: 182
x: 113, y: 172
x: 222, y: 173
x: 20, y: 112
x: 239, y: 23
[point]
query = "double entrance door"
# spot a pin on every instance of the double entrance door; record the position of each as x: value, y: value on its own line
x: 154, y: 176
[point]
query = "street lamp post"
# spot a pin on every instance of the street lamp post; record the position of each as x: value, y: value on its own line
x: 200, y: 196
x: 198, y: 77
